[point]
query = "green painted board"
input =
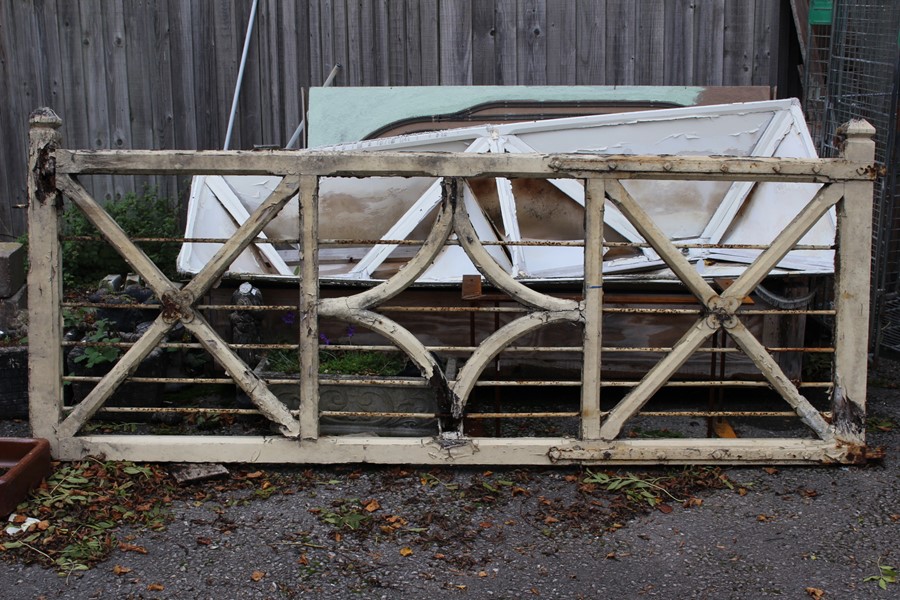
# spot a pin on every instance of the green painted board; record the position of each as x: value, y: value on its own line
x: 349, y: 114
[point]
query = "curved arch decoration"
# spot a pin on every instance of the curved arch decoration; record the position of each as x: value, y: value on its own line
x: 434, y: 243
x: 486, y: 265
x: 496, y: 342
x: 413, y: 348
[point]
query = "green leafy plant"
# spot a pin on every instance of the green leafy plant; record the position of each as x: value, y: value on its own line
x: 886, y: 574
x: 146, y: 215
x: 346, y: 514
x: 98, y: 355
x: 636, y: 489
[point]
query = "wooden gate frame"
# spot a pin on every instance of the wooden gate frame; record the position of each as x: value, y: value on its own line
x: 847, y: 186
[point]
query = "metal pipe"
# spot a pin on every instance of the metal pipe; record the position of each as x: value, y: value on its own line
x: 240, y: 77
x: 302, y: 126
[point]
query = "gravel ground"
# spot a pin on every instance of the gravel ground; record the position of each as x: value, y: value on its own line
x: 510, y: 534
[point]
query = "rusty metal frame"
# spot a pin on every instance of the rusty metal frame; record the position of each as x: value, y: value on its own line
x: 839, y: 435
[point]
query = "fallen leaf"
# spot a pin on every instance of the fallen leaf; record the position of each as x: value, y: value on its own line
x: 440, y: 556
x: 549, y: 519
x: 155, y: 587
x: 406, y: 551
x: 254, y: 475
x: 611, y: 555
x: 809, y: 493
x: 535, y: 591
x: 142, y: 507
x: 815, y: 593
x: 664, y: 508
x: 120, y: 570
x: 519, y: 490
x: 460, y: 586
x: 204, y: 541
x: 43, y: 525
x: 372, y: 505
x: 764, y: 518
x: 338, y: 537
x: 742, y: 491
x: 482, y: 573
x: 693, y: 501
x: 895, y: 518
x: 124, y: 547
x: 303, y: 560
x: 19, y: 519
x: 485, y: 524
x: 571, y: 478
x: 770, y: 470
x: 257, y: 575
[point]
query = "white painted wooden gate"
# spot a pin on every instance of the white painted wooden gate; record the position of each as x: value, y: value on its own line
x: 837, y: 435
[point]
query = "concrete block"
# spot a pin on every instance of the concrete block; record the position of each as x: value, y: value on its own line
x: 10, y: 308
x: 12, y: 268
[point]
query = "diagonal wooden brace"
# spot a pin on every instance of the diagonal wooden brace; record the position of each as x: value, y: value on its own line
x: 655, y: 378
x: 821, y: 203
x: 243, y: 376
x: 105, y: 388
x: 118, y: 239
x: 659, y: 241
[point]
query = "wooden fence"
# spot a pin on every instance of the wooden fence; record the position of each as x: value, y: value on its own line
x: 835, y: 435
x: 161, y: 73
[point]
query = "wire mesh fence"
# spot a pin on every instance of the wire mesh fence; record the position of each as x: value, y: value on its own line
x: 853, y: 72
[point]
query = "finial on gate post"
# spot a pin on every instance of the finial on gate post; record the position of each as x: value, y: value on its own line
x: 856, y: 140
x: 44, y: 117
x: 43, y: 139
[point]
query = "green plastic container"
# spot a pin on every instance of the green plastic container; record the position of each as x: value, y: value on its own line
x: 820, y: 12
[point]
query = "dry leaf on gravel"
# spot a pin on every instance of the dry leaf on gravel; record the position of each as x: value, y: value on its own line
x: 257, y: 575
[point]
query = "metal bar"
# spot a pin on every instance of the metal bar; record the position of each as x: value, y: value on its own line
x: 240, y: 77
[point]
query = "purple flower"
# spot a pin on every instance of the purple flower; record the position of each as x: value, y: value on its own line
x: 289, y: 318
x: 350, y: 331
x: 324, y: 339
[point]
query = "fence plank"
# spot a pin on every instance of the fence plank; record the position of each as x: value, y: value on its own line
x: 709, y: 32
x: 532, y: 47
x: 484, y: 33
x: 591, y: 42
x: 620, y: 41
x: 737, y: 53
x: 765, y: 43
x: 651, y: 46
x: 429, y: 32
x: 561, y: 49
x: 455, y: 24
x: 396, y: 31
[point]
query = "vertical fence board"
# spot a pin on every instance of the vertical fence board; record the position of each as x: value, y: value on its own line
x: 382, y: 45
x: 532, y: 42
x: 737, y: 63
x: 429, y: 33
x: 709, y: 40
x: 455, y: 24
x: 397, y: 42
x: 649, y: 68
x: 620, y: 41
x: 591, y: 42
x: 561, y: 50
x: 484, y: 33
x: 765, y: 43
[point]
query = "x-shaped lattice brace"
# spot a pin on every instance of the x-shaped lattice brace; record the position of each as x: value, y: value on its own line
x: 178, y: 304
x: 719, y: 309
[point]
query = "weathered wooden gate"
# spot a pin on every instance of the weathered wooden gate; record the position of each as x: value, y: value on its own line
x: 836, y: 436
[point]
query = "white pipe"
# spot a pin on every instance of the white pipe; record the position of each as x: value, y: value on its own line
x: 240, y: 77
